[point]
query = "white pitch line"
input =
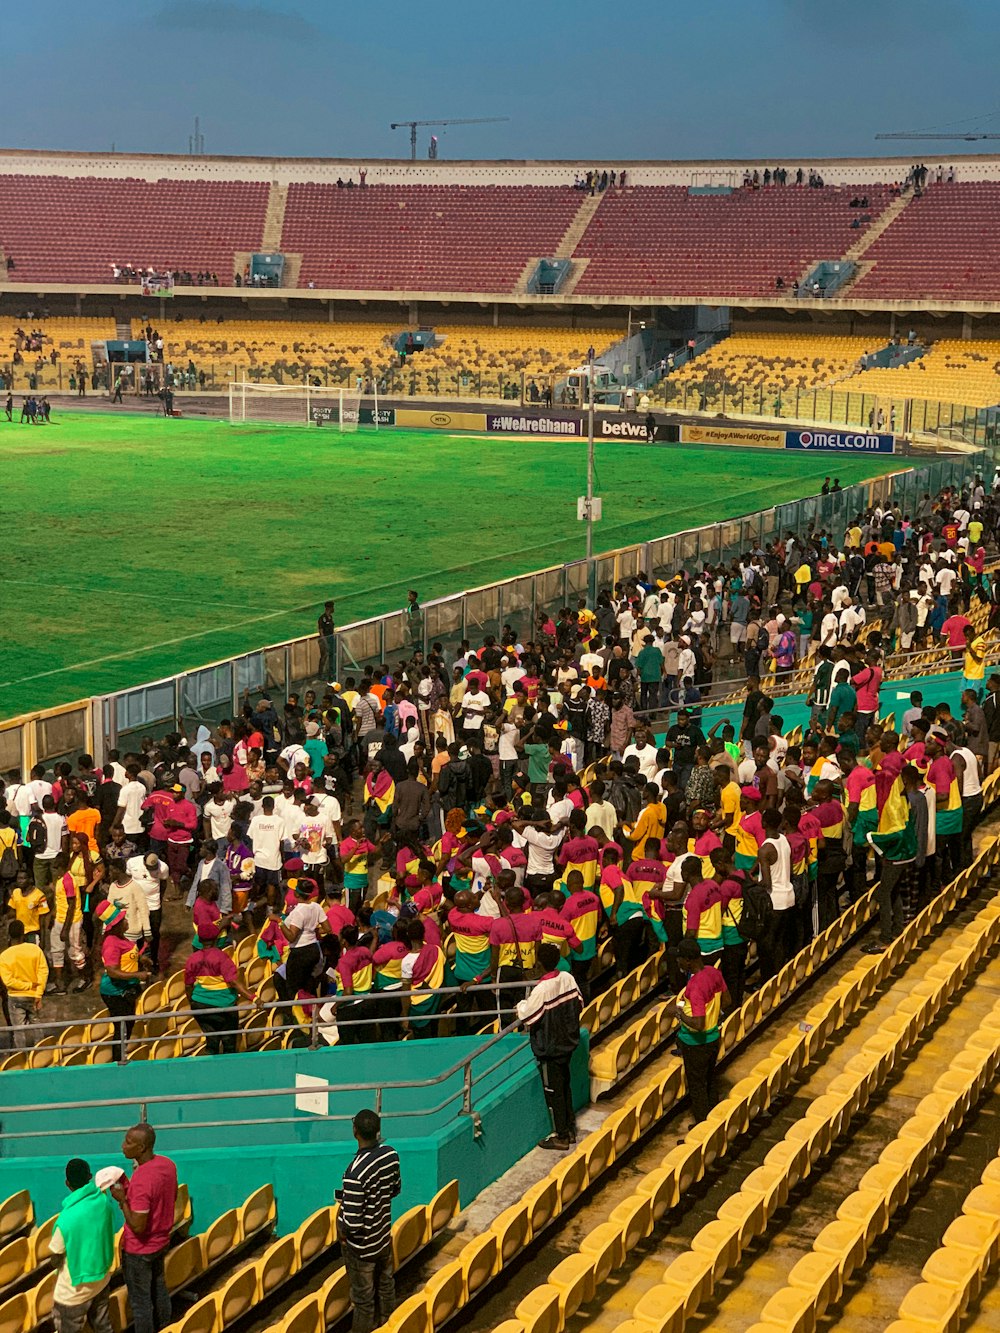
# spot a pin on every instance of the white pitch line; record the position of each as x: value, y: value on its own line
x: 114, y: 592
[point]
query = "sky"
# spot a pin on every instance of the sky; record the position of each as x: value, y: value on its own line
x: 576, y: 79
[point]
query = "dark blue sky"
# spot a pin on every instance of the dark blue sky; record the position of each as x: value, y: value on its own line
x: 578, y: 79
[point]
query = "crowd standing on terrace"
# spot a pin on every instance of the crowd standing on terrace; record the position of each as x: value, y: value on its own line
x: 432, y: 822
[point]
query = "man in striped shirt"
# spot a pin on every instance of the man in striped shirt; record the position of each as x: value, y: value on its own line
x: 364, y: 1224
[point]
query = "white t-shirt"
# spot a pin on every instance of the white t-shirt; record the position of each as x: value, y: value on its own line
x: 646, y: 757
x: 265, y: 833
x: 510, y: 676
x: 945, y: 580
x: 39, y: 789
x: 602, y: 815
x: 150, y: 881
x: 474, y: 705
x: 130, y: 800
x: 55, y: 827
x: 295, y: 754
x: 220, y: 817
x: 829, y: 629
x: 506, y: 750
x: 311, y: 837
x: 540, y: 848
x: 839, y: 597
x: 307, y: 917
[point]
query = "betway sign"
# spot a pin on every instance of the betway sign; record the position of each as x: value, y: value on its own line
x: 838, y: 441
x: 609, y: 429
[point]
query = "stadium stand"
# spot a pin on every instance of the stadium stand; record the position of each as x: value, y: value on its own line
x: 774, y: 360
x: 952, y: 371
x: 69, y: 336
x: 944, y: 245
x: 423, y: 237
x: 73, y: 230
x: 662, y: 240
x: 227, y: 349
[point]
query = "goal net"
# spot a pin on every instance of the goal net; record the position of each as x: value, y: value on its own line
x: 293, y: 404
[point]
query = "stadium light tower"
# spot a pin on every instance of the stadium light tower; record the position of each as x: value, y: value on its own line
x: 413, y: 125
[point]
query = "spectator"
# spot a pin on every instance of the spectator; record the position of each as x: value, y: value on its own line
x: 83, y: 1245
x: 147, y: 1202
x: 364, y: 1224
x: 23, y: 974
x: 551, y: 1015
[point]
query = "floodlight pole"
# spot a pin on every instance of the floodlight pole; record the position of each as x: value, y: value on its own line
x: 590, y: 472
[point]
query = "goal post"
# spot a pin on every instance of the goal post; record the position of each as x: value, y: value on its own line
x: 293, y: 404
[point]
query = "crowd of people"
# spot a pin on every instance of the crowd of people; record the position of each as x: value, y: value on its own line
x: 399, y: 842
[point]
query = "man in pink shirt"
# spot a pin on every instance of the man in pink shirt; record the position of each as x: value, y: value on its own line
x: 866, y: 683
x: 147, y: 1202
x: 953, y: 631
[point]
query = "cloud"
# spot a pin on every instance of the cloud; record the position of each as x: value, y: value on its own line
x: 230, y: 18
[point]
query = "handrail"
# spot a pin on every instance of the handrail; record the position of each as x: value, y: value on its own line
x: 121, y: 1021
x: 464, y: 1093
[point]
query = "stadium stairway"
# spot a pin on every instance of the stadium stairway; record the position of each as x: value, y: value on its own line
x: 606, y: 1204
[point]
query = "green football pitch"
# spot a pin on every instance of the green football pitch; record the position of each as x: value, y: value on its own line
x: 136, y: 547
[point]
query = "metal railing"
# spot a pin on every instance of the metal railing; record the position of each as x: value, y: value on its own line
x: 464, y: 1094
x: 122, y: 1025
x: 219, y: 690
x: 836, y: 405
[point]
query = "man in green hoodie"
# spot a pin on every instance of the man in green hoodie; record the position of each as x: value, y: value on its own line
x: 83, y: 1242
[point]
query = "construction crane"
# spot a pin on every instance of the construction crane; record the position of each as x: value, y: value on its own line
x: 967, y: 137
x: 413, y: 124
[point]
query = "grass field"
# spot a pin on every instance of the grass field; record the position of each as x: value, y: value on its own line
x: 135, y: 547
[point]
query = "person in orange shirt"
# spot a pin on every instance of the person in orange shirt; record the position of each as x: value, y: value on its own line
x: 84, y: 818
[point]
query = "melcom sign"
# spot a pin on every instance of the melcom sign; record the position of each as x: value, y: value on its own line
x: 837, y: 441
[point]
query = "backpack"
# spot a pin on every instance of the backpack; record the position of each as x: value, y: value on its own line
x: 37, y: 836
x: 757, y: 912
x: 8, y: 863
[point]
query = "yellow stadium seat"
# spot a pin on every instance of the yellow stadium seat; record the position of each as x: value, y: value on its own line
x: 635, y: 1216
x: 237, y: 1296
x: 41, y: 1299
x: 201, y: 1318
x: 277, y: 1264
x: 335, y: 1297
x: 15, y: 1259
x: 818, y: 1274
x: 304, y: 1317
x: 570, y: 1176
x: 720, y: 1241
x: 183, y: 1263
x: 409, y: 1232
x: 443, y: 1207
x: 932, y: 1307
x: 574, y: 1279
x: 539, y: 1312
x: 479, y: 1260
x: 257, y: 1213
x: 445, y: 1292
x: 542, y: 1201
x: 313, y: 1236
x: 413, y: 1316
x: 220, y: 1237
x: 512, y: 1231
x: 606, y: 1246
x: 40, y: 1239
x: 15, y: 1313
x: 119, y: 1308
x: 792, y: 1309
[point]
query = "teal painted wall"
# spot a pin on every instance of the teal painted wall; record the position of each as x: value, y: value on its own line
x: 303, y: 1159
x: 894, y: 698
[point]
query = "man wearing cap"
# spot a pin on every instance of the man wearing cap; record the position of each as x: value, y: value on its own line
x: 83, y: 1245
x: 124, y: 970
x: 124, y: 892
x: 179, y: 820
